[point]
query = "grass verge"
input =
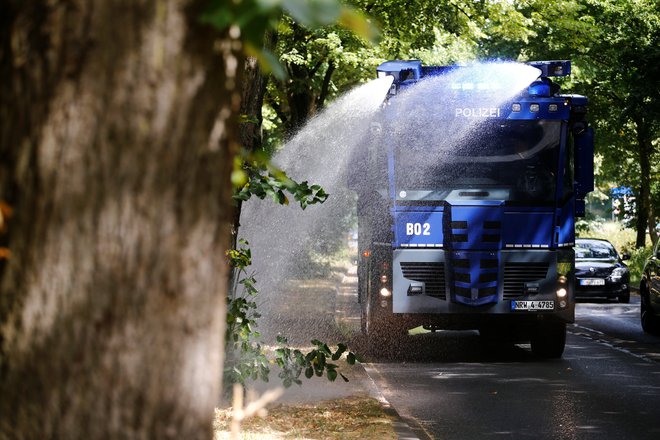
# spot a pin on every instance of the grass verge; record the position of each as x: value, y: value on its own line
x: 354, y: 417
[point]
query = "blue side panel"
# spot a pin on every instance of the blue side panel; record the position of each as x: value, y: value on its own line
x: 584, y: 163
x: 418, y: 229
x: 527, y: 229
x: 567, y: 225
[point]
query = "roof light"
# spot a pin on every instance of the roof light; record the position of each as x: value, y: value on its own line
x: 539, y: 88
x: 553, y: 107
x: 534, y: 108
x: 516, y: 107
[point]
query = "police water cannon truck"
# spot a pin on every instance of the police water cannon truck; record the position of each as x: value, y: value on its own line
x: 467, y: 199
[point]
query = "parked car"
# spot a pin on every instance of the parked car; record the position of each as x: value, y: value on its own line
x: 599, y: 271
x: 649, y: 290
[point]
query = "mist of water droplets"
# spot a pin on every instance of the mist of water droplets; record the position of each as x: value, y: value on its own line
x: 322, y: 151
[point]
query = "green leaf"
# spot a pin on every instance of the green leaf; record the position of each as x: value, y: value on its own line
x: 350, y: 359
x: 313, y: 13
x: 358, y: 23
x: 332, y: 375
x: 341, y: 348
x: 309, y: 372
x: 268, y: 61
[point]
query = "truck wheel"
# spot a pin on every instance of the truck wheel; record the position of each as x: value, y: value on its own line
x: 549, y: 339
x: 650, y: 323
x: 383, y: 333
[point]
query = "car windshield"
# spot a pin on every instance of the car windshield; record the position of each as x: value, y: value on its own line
x: 594, y: 250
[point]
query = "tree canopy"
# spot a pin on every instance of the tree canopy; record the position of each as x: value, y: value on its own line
x: 613, y: 46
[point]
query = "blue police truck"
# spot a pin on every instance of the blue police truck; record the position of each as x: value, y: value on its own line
x: 467, y: 199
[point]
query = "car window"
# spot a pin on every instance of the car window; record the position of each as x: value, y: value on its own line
x: 594, y: 250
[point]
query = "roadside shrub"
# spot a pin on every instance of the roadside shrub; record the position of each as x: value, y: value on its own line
x: 636, y: 263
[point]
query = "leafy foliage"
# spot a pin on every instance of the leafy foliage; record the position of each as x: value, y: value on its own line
x: 313, y: 363
x: 246, y: 357
x: 254, y: 175
x: 252, y: 18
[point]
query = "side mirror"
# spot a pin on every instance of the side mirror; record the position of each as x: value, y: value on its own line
x: 584, y: 167
x: 625, y: 256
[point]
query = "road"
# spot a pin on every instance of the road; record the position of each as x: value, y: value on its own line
x: 449, y: 385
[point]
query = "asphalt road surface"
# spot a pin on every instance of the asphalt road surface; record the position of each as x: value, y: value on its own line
x: 449, y: 385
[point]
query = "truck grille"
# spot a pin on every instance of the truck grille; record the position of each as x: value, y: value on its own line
x: 432, y: 274
x: 517, y: 274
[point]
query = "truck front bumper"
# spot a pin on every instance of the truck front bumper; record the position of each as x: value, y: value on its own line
x: 470, y: 285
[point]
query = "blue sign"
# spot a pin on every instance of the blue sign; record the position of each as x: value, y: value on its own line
x: 621, y: 191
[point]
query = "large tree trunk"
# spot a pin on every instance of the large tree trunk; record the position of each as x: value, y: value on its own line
x: 253, y: 91
x: 644, y: 209
x: 116, y: 128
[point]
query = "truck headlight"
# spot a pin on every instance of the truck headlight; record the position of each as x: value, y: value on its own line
x: 385, y: 292
x: 561, y: 293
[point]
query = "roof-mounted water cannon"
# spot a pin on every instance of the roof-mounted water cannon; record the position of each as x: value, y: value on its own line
x: 401, y: 71
x: 544, y: 87
x: 552, y: 68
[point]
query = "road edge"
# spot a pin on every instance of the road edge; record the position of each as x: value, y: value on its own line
x: 402, y: 427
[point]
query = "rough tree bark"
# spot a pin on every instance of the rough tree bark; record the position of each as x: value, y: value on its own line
x: 117, y: 121
x: 253, y: 91
x: 645, y: 218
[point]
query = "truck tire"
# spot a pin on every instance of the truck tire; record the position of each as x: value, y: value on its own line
x: 384, y: 335
x: 549, y: 339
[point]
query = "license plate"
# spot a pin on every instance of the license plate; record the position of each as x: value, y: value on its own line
x: 592, y: 282
x: 532, y: 305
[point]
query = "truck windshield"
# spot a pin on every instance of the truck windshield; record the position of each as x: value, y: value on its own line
x: 506, y: 160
